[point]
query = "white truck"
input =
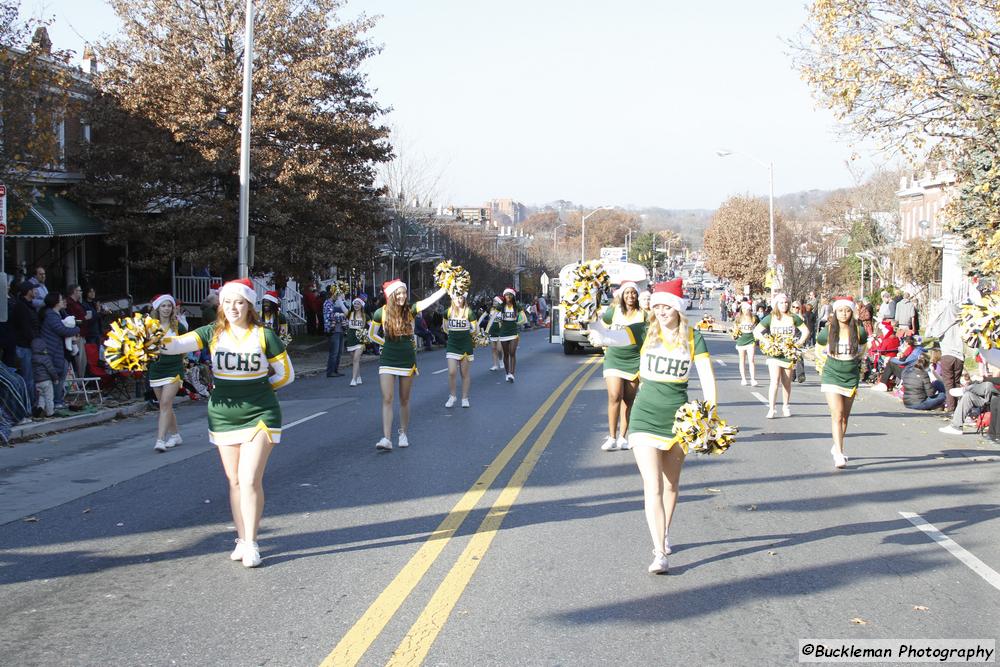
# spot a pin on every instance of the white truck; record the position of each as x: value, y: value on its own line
x: 572, y: 337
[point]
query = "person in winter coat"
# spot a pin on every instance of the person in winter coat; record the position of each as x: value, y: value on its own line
x: 919, y: 392
x: 45, y: 378
x: 54, y: 333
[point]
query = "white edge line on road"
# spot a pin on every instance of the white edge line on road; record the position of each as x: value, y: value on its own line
x: 979, y: 567
x: 443, y: 370
x: 304, y: 419
x: 759, y: 397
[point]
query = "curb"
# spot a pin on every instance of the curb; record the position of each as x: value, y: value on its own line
x: 20, y: 433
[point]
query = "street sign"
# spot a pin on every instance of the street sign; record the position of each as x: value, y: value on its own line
x: 614, y: 255
x: 545, y: 283
x: 3, y: 210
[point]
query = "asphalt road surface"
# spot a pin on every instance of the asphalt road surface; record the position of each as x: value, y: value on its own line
x: 502, y: 536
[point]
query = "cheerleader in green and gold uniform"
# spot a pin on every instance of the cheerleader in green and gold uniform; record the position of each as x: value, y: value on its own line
x: 668, y: 349
x: 249, y: 363
x: 621, y: 365
x: 357, y: 321
x: 392, y: 327
x: 459, y: 325
x: 493, y: 331
x: 843, y: 342
x: 781, y: 322
x: 166, y: 373
x: 511, y: 315
x: 744, y: 323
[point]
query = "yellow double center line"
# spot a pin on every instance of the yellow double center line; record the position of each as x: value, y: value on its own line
x: 421, y: 636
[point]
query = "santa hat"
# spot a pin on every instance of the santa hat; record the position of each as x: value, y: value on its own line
x: 390, y: 286
x: 271, y: 296
x: 214, y: 287
x: 778, y: 298
x: 843, y: 302
x: 497, y: 300
x: 669, y: 293
x: 161, y: 299
x: 887, y: 327
x: 746, y: 302
x: 510, y: 290
x: 358, y: 302
x: 628, y: 284
x: 242, y: 288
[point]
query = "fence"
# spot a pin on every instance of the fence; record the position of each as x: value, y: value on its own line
x: 192, y: 290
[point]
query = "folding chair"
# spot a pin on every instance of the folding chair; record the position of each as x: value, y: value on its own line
x: 116, y: 385
x: 86, y: 387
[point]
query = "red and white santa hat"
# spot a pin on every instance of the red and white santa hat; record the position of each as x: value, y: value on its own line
x: 843, y: 302
x: 628, y: 284
x: 161, y: 299
x: 390, y: 286
x: 778, y: 298
x: 669, y: 293
x: 510, y: 290
x: 241, y: 287
x: 497, y: 300
x: 358, y: 302
x: 214, y: 288
x: 271, y: 296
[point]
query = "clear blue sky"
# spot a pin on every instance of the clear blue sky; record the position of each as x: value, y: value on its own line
x: 598, y: 103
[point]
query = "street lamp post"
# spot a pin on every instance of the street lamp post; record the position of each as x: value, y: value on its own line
x: 555, y: 235
x: 583, y: 231
x: 771, y: 259
x: 244, y: 226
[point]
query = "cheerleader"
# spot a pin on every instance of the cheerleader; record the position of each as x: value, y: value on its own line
x: 668, y: 348
x: 781, y: 322
x: 357, y: 321
x: 271, y: 315
x: 743, y: 326
x: 244, y: 418
x: 392, y: 327
x: 511, y: 316
x: 843, y: 341
x: 493, y: 331
x: 621, y: 365
x: 459, y: 325
x: 166, y: 373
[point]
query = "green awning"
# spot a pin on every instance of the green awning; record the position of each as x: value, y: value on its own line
x: 52, y: 215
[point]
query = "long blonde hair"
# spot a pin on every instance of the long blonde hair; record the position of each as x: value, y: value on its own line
x: 679, y: 337
x: 173, y: 323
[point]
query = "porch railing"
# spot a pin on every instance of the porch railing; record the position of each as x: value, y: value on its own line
x: 192, y: 290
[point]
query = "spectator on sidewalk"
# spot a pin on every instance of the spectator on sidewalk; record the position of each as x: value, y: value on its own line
x: 906, y: 315
x: 38, y: 281
x: 95, y: 326
x: 887, y: 311
x: 333, y: 325
x: 24, y: 322
x: 865, y: 316
x: 976, y: 395
x: 44, y: 379
x: 210, y: 305
x: 895, y: 366
x: 919, y: 391
x: 422, y: 332
x: 54, y: 334
x: 314, y: 307
x: 74, y: 307
x: 945, y: 328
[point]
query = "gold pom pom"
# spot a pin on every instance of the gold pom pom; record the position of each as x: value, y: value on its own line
x: 780, y: 346
x: 698, y: 426
x: 363, y: 337
x: 452, y: 277
x: 481, y: 339
x: 980, y: 323
x: 582, y: 298
x: 133, y: 343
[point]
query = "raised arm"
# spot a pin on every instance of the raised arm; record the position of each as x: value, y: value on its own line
x: 423, y: 304
x: 189, y: 342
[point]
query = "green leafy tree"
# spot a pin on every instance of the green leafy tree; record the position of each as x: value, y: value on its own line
x: 646, y: 251
x: 166, y: 137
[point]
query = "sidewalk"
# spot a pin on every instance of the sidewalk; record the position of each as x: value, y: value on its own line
x: 309, y: 359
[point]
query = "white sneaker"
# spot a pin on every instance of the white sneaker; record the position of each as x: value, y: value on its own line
x: 623, y: 443
x: 403, y: 442
x: 879, y: 386
x: 956, y: 391
x: 251, y: 555
x: 666, y: 545
x: 659, y: 564
x: 238, y: 551
x: 359, y: 380
x: 384, y: 444
x: 770, y: 413
x: 743, y: 382
x: 465, y: 403
x: 785, y: 412
x: 174, y: 440
x: 160, y: 446
x: 354, y: 382
x: 610, y: 444
x: 754, y: 383
x: 450, y: 403
x: 493, y: 368
x: 510, y: 378
x: 951, y: 430
x: 839, y: 460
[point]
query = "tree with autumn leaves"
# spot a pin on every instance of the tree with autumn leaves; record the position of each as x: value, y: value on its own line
x: 166, y: 133
x: 737, y: 241
x: 922, y: 78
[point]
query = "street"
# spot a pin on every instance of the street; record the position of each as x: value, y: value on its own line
x: 503, y: 535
